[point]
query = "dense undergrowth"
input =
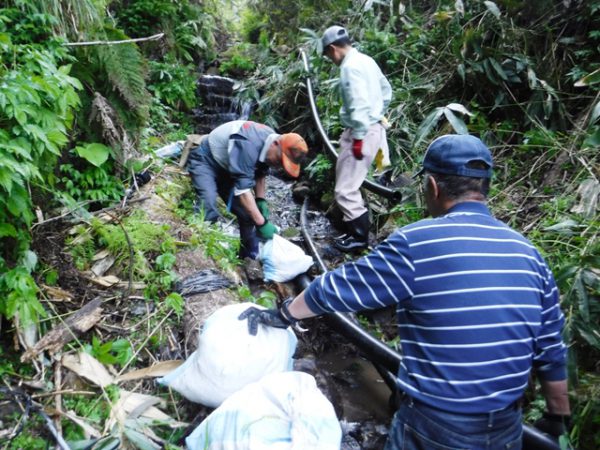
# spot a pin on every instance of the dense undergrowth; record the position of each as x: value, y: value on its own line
x: 75, y: 119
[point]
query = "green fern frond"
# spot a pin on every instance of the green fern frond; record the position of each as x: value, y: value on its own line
x: 126, y: 70
x: 73, y: 16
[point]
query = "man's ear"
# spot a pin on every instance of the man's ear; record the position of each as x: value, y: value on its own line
x: 433, y: 187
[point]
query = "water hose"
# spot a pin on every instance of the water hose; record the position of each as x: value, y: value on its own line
x: 392, y: 195
x: 375, y: 350
x: 385, y: 359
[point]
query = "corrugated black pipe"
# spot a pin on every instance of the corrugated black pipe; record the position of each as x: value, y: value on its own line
x: 383, y: 357
x: 393, y: 195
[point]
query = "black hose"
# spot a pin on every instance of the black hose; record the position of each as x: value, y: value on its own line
x: 375, y: 350
x: 386, y: 360
x: 392, y: 195
x: 533, y: 439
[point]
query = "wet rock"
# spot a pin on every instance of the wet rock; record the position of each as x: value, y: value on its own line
x: 215, y: 84
x: 300, y: 191
x: 217, y: 100
x: 209, y: 121
x: 253, y: 269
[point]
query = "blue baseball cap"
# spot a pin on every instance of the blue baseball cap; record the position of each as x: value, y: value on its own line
x: 451, y: 154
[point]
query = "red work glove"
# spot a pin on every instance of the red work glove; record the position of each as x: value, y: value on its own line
x: 357, y: 148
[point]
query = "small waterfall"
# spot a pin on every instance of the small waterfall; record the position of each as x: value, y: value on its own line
x: 218, y: 103
x: 245, y: 110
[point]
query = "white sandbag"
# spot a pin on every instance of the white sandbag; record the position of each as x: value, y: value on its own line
x: 283, y: 260
x: 282, y: 411
x: 171, y: 150
x: 228, y: 357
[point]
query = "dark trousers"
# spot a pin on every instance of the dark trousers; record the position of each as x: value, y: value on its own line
x: 416, y: 426
x: 209, y: 180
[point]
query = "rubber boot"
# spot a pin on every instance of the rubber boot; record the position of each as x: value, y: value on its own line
x: 359, y: 235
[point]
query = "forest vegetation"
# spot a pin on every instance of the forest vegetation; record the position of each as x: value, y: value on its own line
x: 79, y: 117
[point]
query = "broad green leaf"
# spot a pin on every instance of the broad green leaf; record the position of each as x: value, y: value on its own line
x: 458, y: 108
x: 427, y: 125
x: 461, y: 71
x: 5, y: 39
x: 493, y: 8
x: 29, y: 260
x: 589, y: 79
x: 498, y: 68
x: 39, y: 134
x: 19, y: 147
x: 6, y: 179
x: 590, y: 337
x: 456, y: 122
x: 20, y: 115
x: 139, y: 440
x: 57, y: 137
x: 582, y: 297
x: 566, y: 226
x: 94, y: 153
x: 593, y: 140
x: 7, y: 230
x: 489, y: 71
x: 17, y: 204
x: 595, y: 113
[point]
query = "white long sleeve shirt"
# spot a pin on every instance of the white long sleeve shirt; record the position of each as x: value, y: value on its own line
x: 366, y: 93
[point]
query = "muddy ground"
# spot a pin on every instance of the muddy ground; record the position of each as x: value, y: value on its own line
x: 349, y: 381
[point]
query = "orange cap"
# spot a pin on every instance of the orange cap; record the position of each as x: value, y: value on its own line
x: 293, y: 150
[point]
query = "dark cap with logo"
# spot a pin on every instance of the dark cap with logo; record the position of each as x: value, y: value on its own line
x: 332, y: 34
x: 453, y: 154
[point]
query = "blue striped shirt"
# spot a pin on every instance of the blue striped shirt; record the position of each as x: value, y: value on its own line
x: 477, y: 307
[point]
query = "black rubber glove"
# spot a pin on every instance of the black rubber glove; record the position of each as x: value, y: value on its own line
x: 267, y: 230
x: 553, y: 424
x: 263, y: 207
x: 278, y: 318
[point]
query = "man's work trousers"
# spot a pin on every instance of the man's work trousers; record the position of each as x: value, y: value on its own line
x: 210, y: 179
x: 416, y: 426
x: 350, y: 173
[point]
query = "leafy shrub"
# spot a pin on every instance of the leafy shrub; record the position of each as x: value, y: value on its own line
x: 173, y: 84
x: 37, y: 100
x: 240, y: 59
x: 91, y: 183
x: 188, y: 28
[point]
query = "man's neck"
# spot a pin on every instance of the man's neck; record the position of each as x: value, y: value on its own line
x: 448, y: 204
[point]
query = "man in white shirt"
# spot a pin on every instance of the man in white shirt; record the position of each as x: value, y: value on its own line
x: 366, y: 94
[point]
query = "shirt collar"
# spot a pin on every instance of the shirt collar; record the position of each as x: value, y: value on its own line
x: 349, y: 55
x: 470, y: 207
x: 268, y: 141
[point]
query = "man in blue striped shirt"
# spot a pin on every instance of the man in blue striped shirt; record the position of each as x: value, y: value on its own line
x: 477, y: 309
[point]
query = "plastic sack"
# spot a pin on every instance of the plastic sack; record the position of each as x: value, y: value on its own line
x: 283, y: 411
x: 283, y: 260
x: 228, y: 357
x: 172, y: 150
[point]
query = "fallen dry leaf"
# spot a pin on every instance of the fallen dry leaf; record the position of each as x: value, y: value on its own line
x: 88, y: 367
x: 157, y: 370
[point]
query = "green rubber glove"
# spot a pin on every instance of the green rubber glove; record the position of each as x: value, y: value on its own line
x: 266, y: 230
x: 263, y: 207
